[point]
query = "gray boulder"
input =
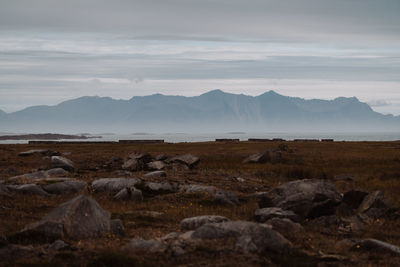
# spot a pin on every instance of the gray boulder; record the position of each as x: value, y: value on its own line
x: 141, y: 245
x: 66, y: 187
x: 377, y: 245
x: 131, y: 165
x: 129, y: 193
x: 308, y: 198
x: 113, y: 184
x: 195, y: 222
x: 156, y: 165
x: 374, y: 205
x: 226, y: 198
x: 263, y: 215
x: 188, y: 159
x: 31, y: 189
x: 79, y: 218
x: 61, y: 162
x: 250, y: 237
x: 155, y: 174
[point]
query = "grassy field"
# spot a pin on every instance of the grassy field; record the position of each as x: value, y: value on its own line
x: 375, y: 166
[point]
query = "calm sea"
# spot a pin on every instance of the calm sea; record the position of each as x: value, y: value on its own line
x: 203, y: 137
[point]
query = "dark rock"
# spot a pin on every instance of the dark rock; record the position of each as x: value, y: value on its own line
x: 286, y: 227
x: 59, y: 245
x: 43, y: 152
x: 151, y: 188
x: 354, y: 198
x: 374, y: 205
x: 250, y: 237
x: 140, y: 245
x: 226, y: 198
x: 113, y: 184
x: 79, y: 218
x: 117, y: 227
x: 195, y: 222
x: 61, y: 162
x: 307, y: 198
x: 11, y: 253
x: 262, y: 215
x: 155, y: 174
x: 31, y: 189
x: 143, y: 157
x: 129, y: 193
x: 66, y: 187
x: 377, y: 245
x: 156, y: 165
x: 188, y: 159
x: 258, y: 158
x: 178, y: 167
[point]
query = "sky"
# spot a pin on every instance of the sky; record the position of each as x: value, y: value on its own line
x: 53, y: 50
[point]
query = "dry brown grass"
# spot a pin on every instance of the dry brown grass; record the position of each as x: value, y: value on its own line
x: 376, y: 166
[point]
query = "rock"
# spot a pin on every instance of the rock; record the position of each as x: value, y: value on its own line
x: 151, y: 188
x: 161, y: 157
x: 374, y: 205
x: 344, y: 177
x: 131, y: 165
x: 66, y: 187
x: 240, y: 179
x: 286, y: 227
x: 250, y: 237
x: 144, y: 157
x: 137, y: 161
x: 196, y: 188
x: 12, y: 253
x: 129, y: 193
x: 258, y: 158
x: 59, y: 245
x: 377, y: 245
x: 354, y: 198
x: 113, y: 184
x: 308, y: 198
x: 31, y: 189
x: 43, y: 152
x: 263, y: 215
x: 156, y: 165
x: 57, y: 172
x: 61, y: 162
x: 155, y: 174
x: 226, y: 198
x: 188, y: 159
x: 79, y: 218
x: 140, y: 245
x: 178, y: 167
x: 195, y: 222
x: 351, y: 225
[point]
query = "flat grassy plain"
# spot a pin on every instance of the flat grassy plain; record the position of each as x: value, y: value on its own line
x: 375, y: 166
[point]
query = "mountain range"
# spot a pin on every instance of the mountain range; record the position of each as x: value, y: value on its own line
x: 215, y: 111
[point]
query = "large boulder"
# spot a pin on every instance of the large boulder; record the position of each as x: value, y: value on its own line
x: 186, y: 159
x: 113, y: 184
x: 374, y: 205
x: 195, y: 222
x: 79, y: 218
x: 137, y: 161
x: 66, y: 187
x: 263, y: 215
x: 308, y: 198
x: 250, y: 236
x: 61, y: 162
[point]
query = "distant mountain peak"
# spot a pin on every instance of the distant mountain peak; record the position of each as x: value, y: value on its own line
x: 215, y: 92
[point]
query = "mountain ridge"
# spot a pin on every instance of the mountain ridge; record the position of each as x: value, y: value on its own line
x: 214, y: 110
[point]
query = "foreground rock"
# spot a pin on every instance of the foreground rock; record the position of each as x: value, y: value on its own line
x: 308, y: 198
x: 374, y: 205
x: 79, y: 218
x: 250, y: 237
x: 141, y: 245
x: 263, y: 215
x: 65, y: 187
x: 377, y: 245
x: 113, y: 184
x: 61, y: 162
x: 195, y: 222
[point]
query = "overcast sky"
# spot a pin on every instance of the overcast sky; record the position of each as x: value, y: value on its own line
x: 52, y: 50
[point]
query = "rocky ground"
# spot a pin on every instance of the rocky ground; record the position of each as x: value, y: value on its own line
x: 191, y: 204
